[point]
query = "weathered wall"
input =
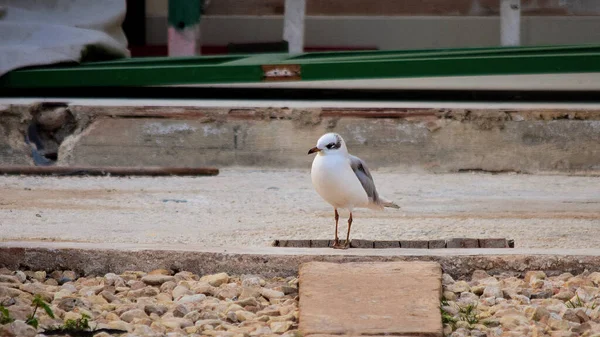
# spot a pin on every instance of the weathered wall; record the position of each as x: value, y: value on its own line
x: 412, y: 139
x: 13, y: 149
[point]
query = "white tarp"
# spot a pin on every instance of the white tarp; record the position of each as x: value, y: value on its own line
x: 43, y: 32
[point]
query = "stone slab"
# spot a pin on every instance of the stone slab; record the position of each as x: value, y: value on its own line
x: 462, y: 243
x: 422, y: 244
x: 436, y: 244
x: 386, y: 244
x: 294, y: 243
x: 359, y: 243
x: 319, y: 243
x: 382, y: 298
x: 493, y: 243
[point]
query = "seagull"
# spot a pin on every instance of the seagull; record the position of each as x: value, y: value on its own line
x: 343, y: 181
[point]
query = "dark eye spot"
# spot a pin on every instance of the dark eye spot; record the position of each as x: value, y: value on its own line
x: 329, y: 146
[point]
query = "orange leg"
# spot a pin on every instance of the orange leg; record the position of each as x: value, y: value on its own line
x: 336, y: 242
x: 347, y: 244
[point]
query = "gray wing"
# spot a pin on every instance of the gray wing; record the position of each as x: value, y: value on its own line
x: 364, y: 176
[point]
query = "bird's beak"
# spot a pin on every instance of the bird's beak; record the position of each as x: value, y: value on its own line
x: 313, y: 150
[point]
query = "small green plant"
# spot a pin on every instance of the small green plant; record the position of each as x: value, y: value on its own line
x: 5, y: 316
x: 578, y: 303
x: 75, y: 326
x: 79, y: 324
x: 38, y: 302
x: 467, y: 313
x: 447, y: 318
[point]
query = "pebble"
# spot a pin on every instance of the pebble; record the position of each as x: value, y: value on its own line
x: 180, y: 291
x: 229, y: 291
x: 21, y: 277
x: 216, y: 279
x: 158, y: 309
x: 40, y: 276
x: 459, y: 287
x: 154, y: 304
x: 9, y: 279
x: 130, y: 315
x: 250, y: 292
x: 492, y: 291
x: 17, y: 328
x: 280, y: 327
x: 271, y: 294
x: 191, y: 299
x: 253, y: 281
x: 157, y: 279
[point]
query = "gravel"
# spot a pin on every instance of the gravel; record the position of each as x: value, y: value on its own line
x: 158, y: 303
x: 533, y: 305
x: 164, y: 303
x: 244, y: 207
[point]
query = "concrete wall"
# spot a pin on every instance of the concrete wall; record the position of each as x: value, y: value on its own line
x: 435, y: 140
x: 13, y: 148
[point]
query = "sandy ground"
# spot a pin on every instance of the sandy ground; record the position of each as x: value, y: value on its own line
x: 250, y: 207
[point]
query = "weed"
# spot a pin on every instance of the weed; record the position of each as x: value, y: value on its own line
x: 75, y: 327
x: 5, y: 316
x: 38, y: 302
x: 467, y: 313
x: 79, y: 324
x: 447, y: 318
x: 578, y: 303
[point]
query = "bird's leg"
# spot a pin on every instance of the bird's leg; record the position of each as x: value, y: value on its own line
x: 347, y: 243
x: 336, y: 242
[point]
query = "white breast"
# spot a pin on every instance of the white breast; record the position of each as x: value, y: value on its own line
x: 336, y: 183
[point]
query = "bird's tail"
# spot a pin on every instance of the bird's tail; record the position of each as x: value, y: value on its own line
x: 388, y: 204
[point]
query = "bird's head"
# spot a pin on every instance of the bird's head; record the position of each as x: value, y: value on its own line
x: 329, y: 143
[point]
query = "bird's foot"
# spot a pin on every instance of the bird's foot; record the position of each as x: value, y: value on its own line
x: 338, y: 245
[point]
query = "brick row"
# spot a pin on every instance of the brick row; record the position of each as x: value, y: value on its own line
x: 419, y: 244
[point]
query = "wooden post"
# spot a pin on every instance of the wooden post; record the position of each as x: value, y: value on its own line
x: 510, y: 22
x: 184, y: 27
x: 293, y: 25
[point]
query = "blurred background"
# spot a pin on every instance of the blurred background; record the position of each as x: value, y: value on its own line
x: 367, y: 25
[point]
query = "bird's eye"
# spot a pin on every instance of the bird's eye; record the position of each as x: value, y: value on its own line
x: 329, y: 146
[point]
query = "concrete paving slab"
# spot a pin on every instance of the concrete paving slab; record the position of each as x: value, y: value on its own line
x: 244, y: 207
x: 380, y: 298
